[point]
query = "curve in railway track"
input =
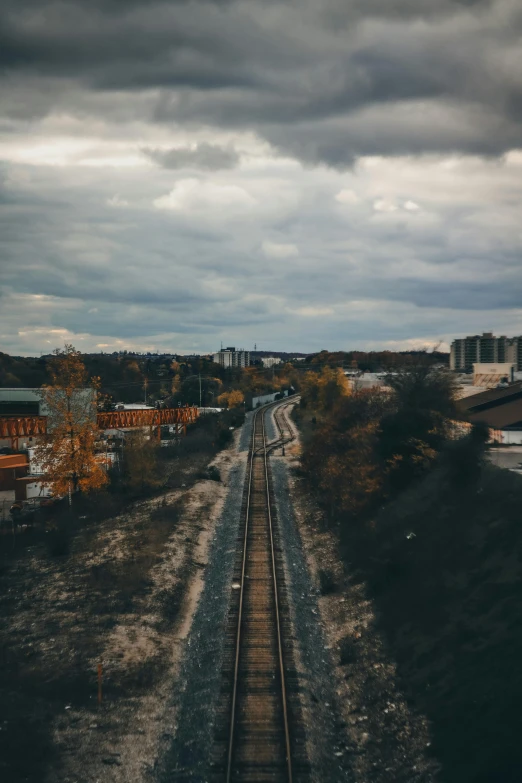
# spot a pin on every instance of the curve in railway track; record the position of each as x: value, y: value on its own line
x: 259, y: 735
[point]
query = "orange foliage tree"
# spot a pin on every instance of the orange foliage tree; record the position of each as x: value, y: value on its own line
x: 231, y: 399
x: 175, y: 385
x: 371, y: 445
x: 323, y: 390
x: 67, y: 456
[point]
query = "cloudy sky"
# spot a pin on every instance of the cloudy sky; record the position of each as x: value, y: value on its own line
x: 296, y: 174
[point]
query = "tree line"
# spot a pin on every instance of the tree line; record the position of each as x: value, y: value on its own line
x: 362, y: 447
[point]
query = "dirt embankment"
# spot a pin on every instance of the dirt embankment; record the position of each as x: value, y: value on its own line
x: 446, y: 576
x: 123, y: 598
x: 387, y: 739
x: 433, y: 580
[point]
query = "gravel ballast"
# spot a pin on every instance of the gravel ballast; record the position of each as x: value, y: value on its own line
x: 187, y: 754
x: 270, y: 426
x: 246, y: 432
x: 326, y: 735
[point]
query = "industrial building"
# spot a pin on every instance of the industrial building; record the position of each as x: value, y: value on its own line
x: 500, y: 409
x: 12, y: 467
x: 229, y: 357
x: 22, y: 402
x: 489, y: 375
x: 359, y: 381
x: 485, y: 349
x: 29, y: 405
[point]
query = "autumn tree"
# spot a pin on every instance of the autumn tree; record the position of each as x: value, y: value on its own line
x: 371, y: 444
x: 175, y: 385
x: 323, y: 390
x: 67, y: 456
x: 341, y: 458
x: 419, y: 424
x: 231, y: 399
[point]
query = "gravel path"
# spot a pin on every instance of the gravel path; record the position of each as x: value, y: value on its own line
x: 326, y: 735
x: 186, y: 755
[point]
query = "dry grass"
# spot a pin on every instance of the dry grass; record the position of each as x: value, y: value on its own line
x: 115, y: 595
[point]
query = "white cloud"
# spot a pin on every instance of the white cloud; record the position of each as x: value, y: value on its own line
x: 116, y: 201
x: 275, y: 250
x: 347, y: 196
x: 411, y: 206
x: 385, y: 205
x: 193, y: 195
x: 313, y: 312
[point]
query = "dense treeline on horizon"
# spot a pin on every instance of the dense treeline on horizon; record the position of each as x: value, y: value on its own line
x: 375, y: 361
x: 127, y: 377
x: 175, y: 380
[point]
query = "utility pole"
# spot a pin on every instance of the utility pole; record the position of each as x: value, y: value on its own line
x: 145, y: 388
x: 200, y: 390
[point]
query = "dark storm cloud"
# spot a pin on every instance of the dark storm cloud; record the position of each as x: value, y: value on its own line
x: 210, y: 157
x: 317, y: 79
x: 96, y: 242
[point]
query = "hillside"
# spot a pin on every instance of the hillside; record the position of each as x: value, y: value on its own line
x: 444, y: 566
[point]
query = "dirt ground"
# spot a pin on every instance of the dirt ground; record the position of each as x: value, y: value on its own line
x: 387, y: 740
x: 123, y: 598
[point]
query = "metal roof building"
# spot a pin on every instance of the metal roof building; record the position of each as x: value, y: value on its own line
x: 500, y: 409
x: 21, y: 402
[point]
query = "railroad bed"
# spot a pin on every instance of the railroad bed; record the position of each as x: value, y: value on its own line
x: 259, y: 735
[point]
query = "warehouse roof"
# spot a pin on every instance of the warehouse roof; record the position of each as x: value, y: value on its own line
x: 501, y: 417
x: 491, y: 398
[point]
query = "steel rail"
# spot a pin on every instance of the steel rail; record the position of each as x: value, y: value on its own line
x: 255, y: 451
x: 278, y: 622
x: 240, y: 612
x: 282, y: 440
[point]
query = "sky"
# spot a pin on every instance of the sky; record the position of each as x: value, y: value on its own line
x: 296, y: 175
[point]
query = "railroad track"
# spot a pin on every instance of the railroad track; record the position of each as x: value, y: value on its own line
x: 259, y: 735
x: 286, y: 433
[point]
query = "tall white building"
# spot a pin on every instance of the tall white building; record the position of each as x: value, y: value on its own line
x: 229, y: 357
x: 270, y: 361
x: 485, y: 349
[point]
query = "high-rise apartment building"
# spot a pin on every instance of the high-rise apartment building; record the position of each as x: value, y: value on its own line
x: 485, y: 349
x: 229, y: 357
